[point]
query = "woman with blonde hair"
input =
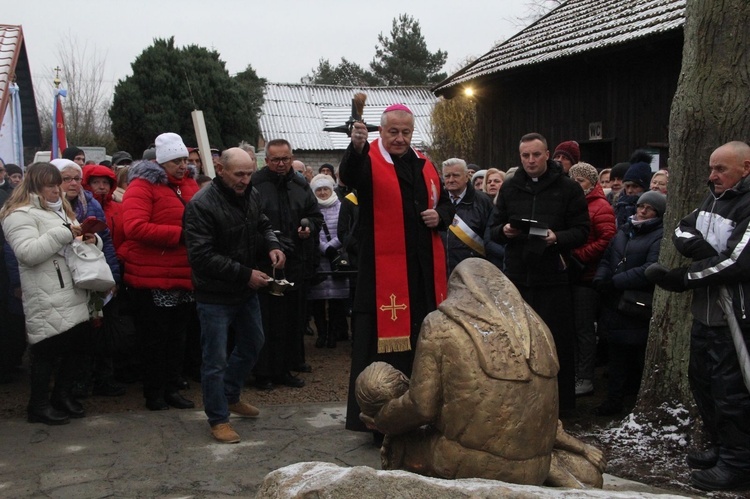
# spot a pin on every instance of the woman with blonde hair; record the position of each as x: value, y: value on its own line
x: 493, y: 180
x: 659, y: 181
x: 39, y: 224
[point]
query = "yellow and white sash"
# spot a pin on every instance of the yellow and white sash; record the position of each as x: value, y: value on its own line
x: 467, y: 236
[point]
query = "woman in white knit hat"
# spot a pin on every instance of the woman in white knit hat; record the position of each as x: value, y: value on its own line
x: 156, y: 266
x: 333, y: 290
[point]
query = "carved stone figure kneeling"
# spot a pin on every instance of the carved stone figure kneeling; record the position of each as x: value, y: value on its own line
x: 482, y: 400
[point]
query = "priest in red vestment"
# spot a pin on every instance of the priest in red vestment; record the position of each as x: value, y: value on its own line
x: 402, y: 264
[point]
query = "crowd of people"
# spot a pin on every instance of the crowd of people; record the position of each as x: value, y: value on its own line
x: 217, y: 279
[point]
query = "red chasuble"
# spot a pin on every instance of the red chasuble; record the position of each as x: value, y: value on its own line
x: 391, y: 281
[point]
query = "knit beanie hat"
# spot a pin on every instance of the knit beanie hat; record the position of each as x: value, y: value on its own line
x: 639, y: 173
x: 570, y: 150
x: 62, y: 164
x: 656, y: 200
x: 322, y: 180
x: 619, y: 170
x: 169, y: 146
x: 71, y: 152
x: 480, y: 173
x: 330, y: 167
x: 149, y: 154
x: 10, y: 169
x: 584, y: 170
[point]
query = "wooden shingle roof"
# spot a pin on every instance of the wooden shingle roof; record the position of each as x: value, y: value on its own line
x: 575, y: 27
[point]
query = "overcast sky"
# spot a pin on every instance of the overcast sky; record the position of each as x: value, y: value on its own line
x: 282, y: 39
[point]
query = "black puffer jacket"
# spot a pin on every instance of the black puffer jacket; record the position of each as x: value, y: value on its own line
x: 554, y: 200
x: 624, y: 263
x: 221, y: 232
x: 286, y: 200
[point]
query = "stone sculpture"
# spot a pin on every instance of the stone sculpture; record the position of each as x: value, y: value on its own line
x: 482, y: 399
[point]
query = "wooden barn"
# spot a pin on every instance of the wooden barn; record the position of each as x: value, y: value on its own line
x: 600, y: 72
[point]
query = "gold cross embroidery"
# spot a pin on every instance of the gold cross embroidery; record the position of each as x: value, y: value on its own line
x: 393, y: 307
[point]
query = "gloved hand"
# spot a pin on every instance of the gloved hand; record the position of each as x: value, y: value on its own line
x: 331, y: 253
x: 701, y: 251
x: 671, y: 280
x: 604, y: 287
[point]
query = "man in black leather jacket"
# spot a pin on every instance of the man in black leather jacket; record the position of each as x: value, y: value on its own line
x: 222, y: 223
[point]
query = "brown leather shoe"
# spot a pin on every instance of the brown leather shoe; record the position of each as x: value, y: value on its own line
x: 224, y: 433
x: 244, y: 409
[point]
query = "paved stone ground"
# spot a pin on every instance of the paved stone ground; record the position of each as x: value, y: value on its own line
x: 171, y: 453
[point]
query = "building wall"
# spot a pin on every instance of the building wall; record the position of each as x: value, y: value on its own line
x: 316, y: 158
x: 628, y: 90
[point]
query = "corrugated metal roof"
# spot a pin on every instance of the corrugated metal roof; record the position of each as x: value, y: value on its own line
x: 576, y: 26
x: 11, y: 38
x: 298, y: 112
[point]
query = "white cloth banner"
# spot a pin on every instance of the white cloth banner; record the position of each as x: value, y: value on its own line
x: 11, y: 136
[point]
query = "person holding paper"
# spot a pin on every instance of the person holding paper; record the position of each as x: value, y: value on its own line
x: 541, y: 216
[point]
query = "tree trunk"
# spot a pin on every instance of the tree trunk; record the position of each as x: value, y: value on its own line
x: 710, y: 108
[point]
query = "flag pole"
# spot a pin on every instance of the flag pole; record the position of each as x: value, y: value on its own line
x: 59, y: 140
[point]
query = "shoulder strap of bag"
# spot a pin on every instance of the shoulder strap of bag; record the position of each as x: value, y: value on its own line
x: 327, y: 232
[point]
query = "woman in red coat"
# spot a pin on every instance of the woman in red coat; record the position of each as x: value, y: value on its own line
x: 101, y: 181
x: 586, y: 260
x: 156, y: 266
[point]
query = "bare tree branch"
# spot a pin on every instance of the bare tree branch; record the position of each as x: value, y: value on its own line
x: 88, y: 99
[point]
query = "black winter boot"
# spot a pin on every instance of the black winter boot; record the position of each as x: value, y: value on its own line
x: 39, y: 409
x: 703, y: 460
x: 62, y: 397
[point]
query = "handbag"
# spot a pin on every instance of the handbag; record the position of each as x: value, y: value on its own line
x: 88, y: 266
x: 636, y: 303
x: 341, y: 262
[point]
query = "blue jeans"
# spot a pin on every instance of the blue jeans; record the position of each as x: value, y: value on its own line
x: 222, y: 380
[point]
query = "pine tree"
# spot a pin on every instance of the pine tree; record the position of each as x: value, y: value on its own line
x: 168, y: 83
x: 403, y: 59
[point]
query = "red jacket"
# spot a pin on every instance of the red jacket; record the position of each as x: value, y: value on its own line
x: 601, y: 232
x: 154, y: 252
x: 112, y: 209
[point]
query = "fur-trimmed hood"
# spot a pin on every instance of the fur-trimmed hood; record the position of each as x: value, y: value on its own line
x: 154, y: 173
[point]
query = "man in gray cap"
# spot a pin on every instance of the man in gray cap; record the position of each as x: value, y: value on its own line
x: 121, y: 158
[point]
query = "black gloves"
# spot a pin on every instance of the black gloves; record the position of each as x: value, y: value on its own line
x: 701, y: 251
x: 331, y: 253
x: 671, y: 280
